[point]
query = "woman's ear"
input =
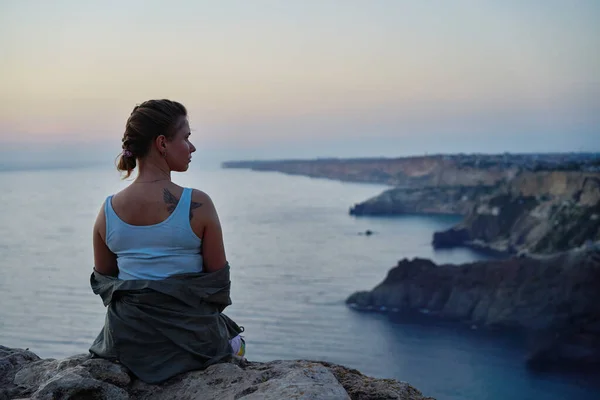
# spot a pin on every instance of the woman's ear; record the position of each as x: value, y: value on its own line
x: 161, y: 143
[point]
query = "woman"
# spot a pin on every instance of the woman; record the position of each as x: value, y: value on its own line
x: 159, y: 259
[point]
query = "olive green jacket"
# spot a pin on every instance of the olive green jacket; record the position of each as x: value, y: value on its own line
x: 161, y: 328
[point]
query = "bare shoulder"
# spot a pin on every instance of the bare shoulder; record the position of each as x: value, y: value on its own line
x: 100, y: 223
x: 202, y: 199
x: 202, y: 207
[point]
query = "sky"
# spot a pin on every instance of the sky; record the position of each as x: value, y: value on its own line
x: 274, y: 79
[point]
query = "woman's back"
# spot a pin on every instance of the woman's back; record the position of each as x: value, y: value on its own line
x: 148, y: 228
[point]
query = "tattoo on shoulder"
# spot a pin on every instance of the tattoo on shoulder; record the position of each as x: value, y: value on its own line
x: 170, y: 199
x: 193, y: 206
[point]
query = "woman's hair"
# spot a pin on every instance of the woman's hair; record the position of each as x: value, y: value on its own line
x: 147, y: 121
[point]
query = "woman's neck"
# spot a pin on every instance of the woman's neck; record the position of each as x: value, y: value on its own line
x: 150, y: 171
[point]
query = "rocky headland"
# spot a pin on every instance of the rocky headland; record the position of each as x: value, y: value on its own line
x: 23, y: 375
x: 554, y: 297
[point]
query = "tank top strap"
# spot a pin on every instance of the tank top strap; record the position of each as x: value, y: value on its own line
x: 109, y: 215
x: 183, y: 208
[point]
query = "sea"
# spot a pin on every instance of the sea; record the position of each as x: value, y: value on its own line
x: 296, y: 255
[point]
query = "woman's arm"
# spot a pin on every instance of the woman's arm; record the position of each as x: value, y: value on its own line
x: 105, y: 261
x: 205, y: 223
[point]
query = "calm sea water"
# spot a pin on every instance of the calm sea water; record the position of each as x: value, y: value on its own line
x: 296, y: 255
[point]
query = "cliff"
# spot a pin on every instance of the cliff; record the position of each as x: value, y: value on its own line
x: 415, y: 172
x: 24, y: 375
x: 536, y: 212
x: 555, y: 296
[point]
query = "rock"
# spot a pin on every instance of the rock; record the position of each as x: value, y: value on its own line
x: 551, y: 294
x: 274, y: 380
x: 82, y: 377
x: 11, y: 361
x: 76, y: 383
x: 107, y: 371
x: 34, y: 374
x: 78, y: 376
x: 453, y: 237
x: 361, y: 387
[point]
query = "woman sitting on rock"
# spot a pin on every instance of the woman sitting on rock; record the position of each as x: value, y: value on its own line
x: 159, y: 259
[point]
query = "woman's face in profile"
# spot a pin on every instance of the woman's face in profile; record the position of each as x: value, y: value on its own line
x: 180, y: 149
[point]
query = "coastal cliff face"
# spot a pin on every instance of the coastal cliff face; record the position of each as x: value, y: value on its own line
x: 411, y: 172
x: 536, y: 212
x: 557, y: 295
x: 24, y: 375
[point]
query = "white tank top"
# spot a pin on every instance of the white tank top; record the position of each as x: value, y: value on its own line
x: 155, y: 251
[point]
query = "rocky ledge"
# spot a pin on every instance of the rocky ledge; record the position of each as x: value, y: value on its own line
x: 552, y: 297
x: 23, y: 375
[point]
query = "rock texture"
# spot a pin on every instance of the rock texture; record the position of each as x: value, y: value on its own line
x: 554, y: 296
x: 536, y: 212
x: 25, y: 375
x: 11, y: 361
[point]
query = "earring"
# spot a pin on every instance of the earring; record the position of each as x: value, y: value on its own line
x: 164, y: 154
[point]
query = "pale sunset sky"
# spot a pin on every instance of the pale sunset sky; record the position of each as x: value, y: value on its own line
x: 272, y: 79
